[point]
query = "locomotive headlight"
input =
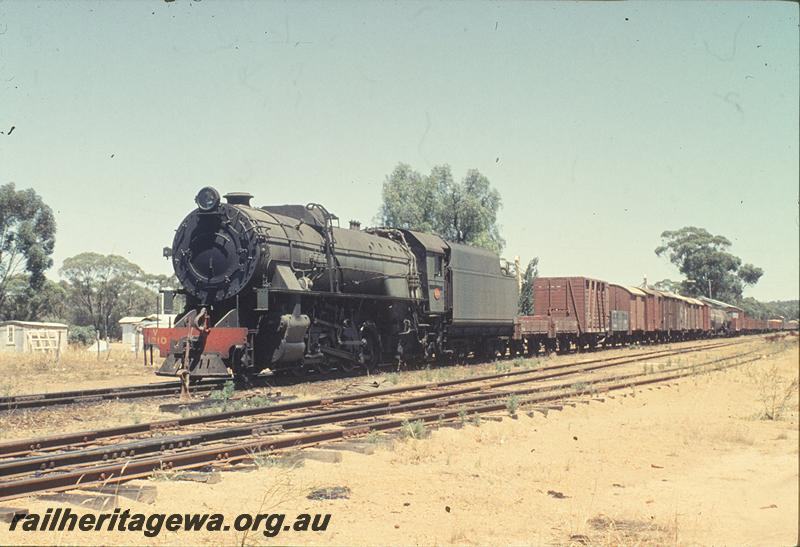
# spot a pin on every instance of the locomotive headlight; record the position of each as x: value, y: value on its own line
x: 207, y: 199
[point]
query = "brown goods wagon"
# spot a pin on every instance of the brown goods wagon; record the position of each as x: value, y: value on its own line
x: 628, y: 302
x: 737, y: 319
x: 619, y: 304
x: 706, y: 311
x: 698, y: 318
x: 775, y: 324
x: 673, y: 312
x: 652, y: 310
x: 575, y: 304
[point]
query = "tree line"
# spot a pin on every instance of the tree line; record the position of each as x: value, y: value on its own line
x: 94, y: 290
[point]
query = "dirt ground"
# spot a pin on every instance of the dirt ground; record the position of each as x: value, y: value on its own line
x: 700, y: 462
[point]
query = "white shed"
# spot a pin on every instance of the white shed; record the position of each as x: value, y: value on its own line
x: 132, y: 328
x: 128, y: 325
x: 32, y: 336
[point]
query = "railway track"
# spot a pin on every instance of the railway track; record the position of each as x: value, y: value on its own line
x: 86, y: 396
x: 64, y: 462
x: 161, y: 389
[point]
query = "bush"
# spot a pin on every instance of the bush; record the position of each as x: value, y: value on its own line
x: 83, y: 336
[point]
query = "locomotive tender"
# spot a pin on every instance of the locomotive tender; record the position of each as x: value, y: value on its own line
x: 284, y: 288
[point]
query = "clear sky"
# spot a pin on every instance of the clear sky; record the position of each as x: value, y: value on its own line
x: 601, y: 124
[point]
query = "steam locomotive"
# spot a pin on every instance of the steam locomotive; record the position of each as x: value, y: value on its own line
x: 285, y: 288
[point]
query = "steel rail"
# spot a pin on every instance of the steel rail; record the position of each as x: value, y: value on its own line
x: 36, y: 400
x: 23, y: 446
x: 140, y: 447
x: 40, y: 400
x: 131, y: 469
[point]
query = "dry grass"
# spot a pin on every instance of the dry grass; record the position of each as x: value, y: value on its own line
x: 38, y: 372
x: 776, y: 391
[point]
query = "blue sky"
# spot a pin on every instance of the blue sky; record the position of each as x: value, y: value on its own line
x: 601, y: 124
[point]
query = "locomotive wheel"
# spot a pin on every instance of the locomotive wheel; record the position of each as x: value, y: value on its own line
x: 349, y: 366
x: 324, y: 367
x: 368, y: 357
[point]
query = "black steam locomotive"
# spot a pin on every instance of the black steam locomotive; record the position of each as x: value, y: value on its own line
x: 284, y: 288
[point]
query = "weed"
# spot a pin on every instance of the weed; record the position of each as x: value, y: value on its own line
x: 512, y: 405
x: 581, y: 387
x: 225, y: 393
x: 164, y: 474
x: 257, y: 401
x: 372, y: 437
x: 476, y: 420
x: 462, y: 416
x: 266, y: 460
x: 392, y: 378
x: 414, y: 430
x: 774, y: 392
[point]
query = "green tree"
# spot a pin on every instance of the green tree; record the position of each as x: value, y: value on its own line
x: 788, y: 309
x: 25, y: 303
x: 525, y: 305
x: 27, y: 238
x: 704, y: 260
x: 103, y: 288
x: 462, y: 212
x: 749, y: 274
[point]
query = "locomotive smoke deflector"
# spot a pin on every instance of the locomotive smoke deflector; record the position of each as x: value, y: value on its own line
x: 207, y: 199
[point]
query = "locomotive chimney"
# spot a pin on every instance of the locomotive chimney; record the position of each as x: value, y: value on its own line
x: 238, y: 198
x: 355, y: 225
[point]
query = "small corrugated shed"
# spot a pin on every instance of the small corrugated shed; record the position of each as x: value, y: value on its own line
x: 32, y: 336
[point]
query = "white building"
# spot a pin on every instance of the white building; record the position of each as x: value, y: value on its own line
x: 128, y: 325
x: 31, y: 336
x: 132, y: 328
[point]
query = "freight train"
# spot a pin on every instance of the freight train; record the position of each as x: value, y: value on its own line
x: 285, y: 288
